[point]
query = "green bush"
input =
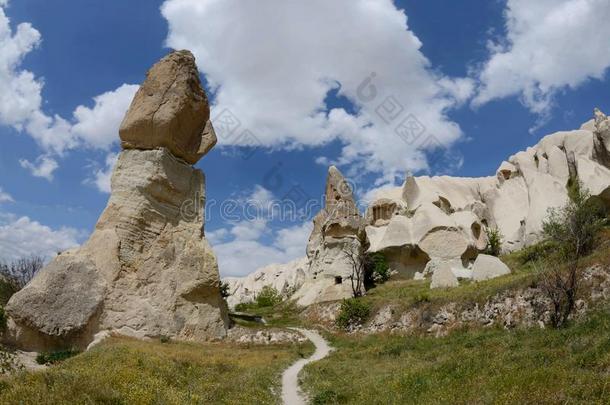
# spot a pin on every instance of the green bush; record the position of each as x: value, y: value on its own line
x: 534, y: 253
x: 353, y: 312
x: 380, y: 268
x: 55, y: 357
x: 268, y: 297
x: 573, y: 228
x: 494, y: 242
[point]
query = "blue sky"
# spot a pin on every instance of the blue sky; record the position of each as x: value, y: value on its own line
x: 484, y: 78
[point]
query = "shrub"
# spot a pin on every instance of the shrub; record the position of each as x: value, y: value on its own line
x: 494, y: 241
x: 268, y: 297
x: 55, y: 357
x: 573, y: 230
x: 535, y: 253
x: 353, y: 312
x: 379, y: 269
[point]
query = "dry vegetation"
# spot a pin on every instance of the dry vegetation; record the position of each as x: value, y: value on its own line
x: 126, y: 371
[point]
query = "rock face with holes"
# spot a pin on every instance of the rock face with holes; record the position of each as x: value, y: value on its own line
x: 147, y: 270
x: 435, y: 223
x: 335, y: 233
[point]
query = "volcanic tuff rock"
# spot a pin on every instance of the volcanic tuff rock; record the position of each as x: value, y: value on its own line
x: 336, y: 227
x: 436, y: 227
x: 170, y: 110
x: 285, y: 278
x: 445, y: 218
x: 147, y: 270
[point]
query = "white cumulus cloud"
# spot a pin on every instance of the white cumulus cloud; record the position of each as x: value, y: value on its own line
x: 5, y: 197
x: 44, y: 167
x: 21, y: 105
x: 102, y: 175
x: 98, y: 127
x: 272, y: 64
x: 20, y: 95
x: 550, y: 45
x: 243, y: 254
x: 23, y: 237
x: 250, y: 242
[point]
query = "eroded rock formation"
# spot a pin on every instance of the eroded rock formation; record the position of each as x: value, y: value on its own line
x: 336, y: 228
x: 440, y: 222
x: 147, y: 270
x: 285, y: 278
x: 436, y: 227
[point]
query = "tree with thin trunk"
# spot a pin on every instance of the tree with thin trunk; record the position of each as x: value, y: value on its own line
x: 355, y: 252
x: 572, y: 229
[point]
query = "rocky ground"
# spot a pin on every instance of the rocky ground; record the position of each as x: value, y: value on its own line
x: 270, y: 336
x: 526, y: 307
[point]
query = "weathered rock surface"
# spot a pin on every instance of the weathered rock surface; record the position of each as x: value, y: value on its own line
x: 285, y: 278
x: 146, y: 271
x: 486, y: 267
x: 443, y: 277
x: 445, y: 218
x: 523, y: 307
x: 272, y: 336
x: 336, y: 228
x: 170, y: 110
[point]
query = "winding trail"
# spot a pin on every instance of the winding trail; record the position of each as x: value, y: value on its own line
x: 291, y: 394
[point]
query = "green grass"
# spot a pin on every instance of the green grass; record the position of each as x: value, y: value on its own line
x: 55, y: 357
x: 126, y: 371
x: 281, y: 315
x: 489, y: 366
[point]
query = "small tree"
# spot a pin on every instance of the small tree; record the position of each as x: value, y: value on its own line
x: 572, y: 229
x: 494, y: 241
x: 356, y: 259
x: 268, y: 297
x: 368, y: 269
x: 378, y: 270
x: 359, y: 261
x: 352, y: 313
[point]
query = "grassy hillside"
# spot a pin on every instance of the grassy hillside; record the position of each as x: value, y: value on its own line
x: 486, y: 366
x: 126, y: 371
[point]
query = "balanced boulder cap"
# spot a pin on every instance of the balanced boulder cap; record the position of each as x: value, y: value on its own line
x: 170, y: 110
